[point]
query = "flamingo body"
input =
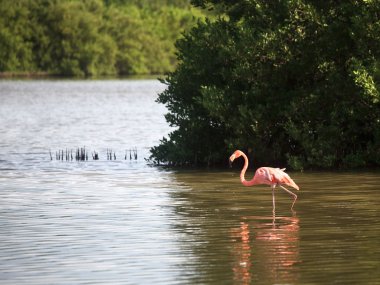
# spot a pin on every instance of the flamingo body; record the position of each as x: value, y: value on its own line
x: 266, y: 175
x: 271, y: 176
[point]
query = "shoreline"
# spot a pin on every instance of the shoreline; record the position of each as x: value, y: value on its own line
x: 47, y: 75
x: 25, y: 74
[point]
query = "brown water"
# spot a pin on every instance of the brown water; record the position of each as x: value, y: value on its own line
x: 332, y: 238
x: 125, y: 222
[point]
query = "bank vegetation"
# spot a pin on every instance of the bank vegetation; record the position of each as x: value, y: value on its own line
x: 91, y: 37
x: 292, y: 83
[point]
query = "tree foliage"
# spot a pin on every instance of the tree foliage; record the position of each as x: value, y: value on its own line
x: 92, y: 37
x: 296, y: 82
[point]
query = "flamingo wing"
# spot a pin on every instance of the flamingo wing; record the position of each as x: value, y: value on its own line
x: 283, y: 178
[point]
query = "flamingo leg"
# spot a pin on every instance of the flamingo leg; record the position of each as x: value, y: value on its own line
x: 274, y: 204
x: 291, y: 193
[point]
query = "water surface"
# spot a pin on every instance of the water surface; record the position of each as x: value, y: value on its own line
x: 125, y: 222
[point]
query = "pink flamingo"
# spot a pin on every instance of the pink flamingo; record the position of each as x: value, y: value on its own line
x: 266, y: 175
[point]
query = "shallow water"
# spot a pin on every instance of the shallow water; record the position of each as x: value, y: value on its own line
x: 331, y: 238
x: 125, y: 222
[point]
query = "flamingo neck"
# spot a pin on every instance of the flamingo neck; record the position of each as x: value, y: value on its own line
x: 243, y: 171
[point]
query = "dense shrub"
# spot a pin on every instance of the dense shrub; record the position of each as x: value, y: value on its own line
x: 293, y: 83
x: 92, y: 37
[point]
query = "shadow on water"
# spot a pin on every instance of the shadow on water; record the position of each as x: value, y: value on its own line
x: 232, y: 236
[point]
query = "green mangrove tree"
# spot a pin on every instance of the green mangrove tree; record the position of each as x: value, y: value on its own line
x: 292, y: 82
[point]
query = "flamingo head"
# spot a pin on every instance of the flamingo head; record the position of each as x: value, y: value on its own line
x: 235, y: 155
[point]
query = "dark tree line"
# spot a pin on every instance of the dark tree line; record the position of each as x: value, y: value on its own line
x: 293, y: 83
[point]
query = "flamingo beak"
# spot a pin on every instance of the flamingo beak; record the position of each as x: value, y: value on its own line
x: 232, y: 158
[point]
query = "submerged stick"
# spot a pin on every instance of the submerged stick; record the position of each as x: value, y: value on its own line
x: 82, y: 154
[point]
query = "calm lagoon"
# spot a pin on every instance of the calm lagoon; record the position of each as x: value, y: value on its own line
x: 123, y: 221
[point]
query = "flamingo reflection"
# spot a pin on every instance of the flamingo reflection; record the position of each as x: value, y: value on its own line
x: 266, y: 249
